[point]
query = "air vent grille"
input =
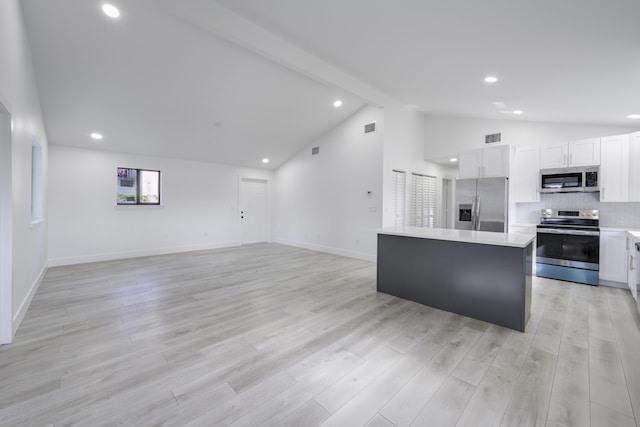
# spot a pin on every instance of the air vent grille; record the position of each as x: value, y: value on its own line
x: 494, y: 137
x: 370, y: 127
x: 315, y: 150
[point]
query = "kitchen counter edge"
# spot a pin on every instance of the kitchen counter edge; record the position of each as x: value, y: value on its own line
x: 518, y: 240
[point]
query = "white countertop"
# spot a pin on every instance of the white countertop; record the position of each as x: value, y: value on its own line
x: 518, y: 240
x: 634, y: 234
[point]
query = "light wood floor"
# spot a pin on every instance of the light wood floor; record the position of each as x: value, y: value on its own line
x: 273, y: 335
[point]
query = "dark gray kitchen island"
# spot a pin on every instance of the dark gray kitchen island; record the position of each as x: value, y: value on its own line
x: 478, y: 274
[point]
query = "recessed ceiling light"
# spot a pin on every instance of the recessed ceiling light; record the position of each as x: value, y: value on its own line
x: 490, y: 79
x: 265, y: 160
x: 633, y: 116
x: 337, y: 104
x: 517, y: 112
x: 110, y: 10
x: 453, y: 159
x: 96, y: 135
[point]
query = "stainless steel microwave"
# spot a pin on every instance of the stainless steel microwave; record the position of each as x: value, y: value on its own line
x: 569, y: 180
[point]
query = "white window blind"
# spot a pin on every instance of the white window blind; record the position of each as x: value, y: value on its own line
x: 423, y: 201
x: 398, y: 197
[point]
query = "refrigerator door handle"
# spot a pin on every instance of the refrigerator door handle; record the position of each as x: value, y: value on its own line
x: 473, y: 212
x: 477, y: 213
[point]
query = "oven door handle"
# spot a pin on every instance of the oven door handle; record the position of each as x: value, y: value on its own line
x: 571, y: 232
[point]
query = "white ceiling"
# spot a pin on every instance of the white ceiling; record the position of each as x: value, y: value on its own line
x: 236, y: 80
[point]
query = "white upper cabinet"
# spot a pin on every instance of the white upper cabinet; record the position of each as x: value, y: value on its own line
x: 553, y: 156
x: 526, y: 175
x: 634, y: 167
x: 496, y: 161
x: 584, y: 152
x: 614, y: 170
x: 470, y: 164
x: 485, y: 162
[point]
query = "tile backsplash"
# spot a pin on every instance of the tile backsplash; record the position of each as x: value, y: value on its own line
x: 616, y: 215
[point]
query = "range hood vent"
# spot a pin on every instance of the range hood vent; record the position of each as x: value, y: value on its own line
x: 494, y: 137
x: 370, y: 127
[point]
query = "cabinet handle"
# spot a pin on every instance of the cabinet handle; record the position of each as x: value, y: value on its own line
x: 570, y: 159
x: 564, y: 160
x: 632, y: 263
x: 602, y: 191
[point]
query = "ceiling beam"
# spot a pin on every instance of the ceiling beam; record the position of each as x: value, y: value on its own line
x: 218, y: 20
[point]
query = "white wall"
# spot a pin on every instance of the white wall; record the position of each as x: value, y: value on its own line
x: 321, y: 201
x: 404, y: 150
x: 19, y: 95
x: 447, y: 136
x: 199, y: 207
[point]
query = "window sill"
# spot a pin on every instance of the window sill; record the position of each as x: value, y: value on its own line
x: 128, y: 207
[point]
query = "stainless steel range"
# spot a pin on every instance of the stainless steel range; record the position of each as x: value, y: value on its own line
x: 568, y: 245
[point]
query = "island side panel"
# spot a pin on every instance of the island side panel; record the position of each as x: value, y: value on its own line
x: 486, y: 282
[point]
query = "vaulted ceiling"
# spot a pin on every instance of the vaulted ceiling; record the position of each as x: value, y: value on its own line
x: 234, y: 81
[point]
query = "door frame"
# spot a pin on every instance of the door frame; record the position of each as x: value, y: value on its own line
x: 6, y: 228
x: 242, y: 178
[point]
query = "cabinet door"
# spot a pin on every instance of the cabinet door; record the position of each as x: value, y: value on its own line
x: 585, y: 152
x: 526, y: 175
x: 632, y: 276
x: 495, y: 161
x: 553, y: 156
x: 634, y: 167
x: 469, y: 164
x: 631, y: 267
x: 613, y: 256
x: 614, y: 170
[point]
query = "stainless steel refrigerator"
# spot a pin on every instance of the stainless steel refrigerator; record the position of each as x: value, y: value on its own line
x: 482, y: 204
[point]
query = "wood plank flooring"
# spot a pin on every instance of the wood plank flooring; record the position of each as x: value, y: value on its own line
x: 270, y: 335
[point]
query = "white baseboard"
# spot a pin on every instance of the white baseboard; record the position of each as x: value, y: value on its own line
x: 111, y: 256
x: 613, y: 284
x: 26, y: 302
x: 336, y: 251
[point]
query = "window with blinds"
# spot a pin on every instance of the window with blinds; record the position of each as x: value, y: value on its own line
x: 398, y: 196
x: 423, y: 201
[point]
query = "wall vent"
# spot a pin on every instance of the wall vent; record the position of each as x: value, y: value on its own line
x: 315, y: 150
x: 494, y: 137
x: 370, y: 127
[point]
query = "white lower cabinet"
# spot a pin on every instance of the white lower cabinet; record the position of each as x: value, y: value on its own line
x: 613, y: 255
x: 632, y: 273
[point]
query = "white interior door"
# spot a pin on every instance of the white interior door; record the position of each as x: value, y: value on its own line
x: 253, y: 210
x: 6, y: 310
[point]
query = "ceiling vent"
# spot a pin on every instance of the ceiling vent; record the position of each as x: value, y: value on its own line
x: 494, y: 137
x: 315, y: 150
x: 370, y: 127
